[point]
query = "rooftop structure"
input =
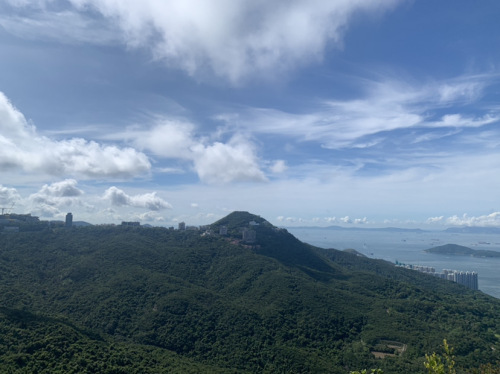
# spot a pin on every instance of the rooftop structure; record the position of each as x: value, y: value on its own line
x: 249, y: 236
x: 136, y: 224
x: 69, y: 220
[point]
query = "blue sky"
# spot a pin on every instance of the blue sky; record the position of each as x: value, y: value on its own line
x: 373, y: 113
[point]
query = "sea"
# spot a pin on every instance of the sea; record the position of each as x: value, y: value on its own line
x: 409, y: 247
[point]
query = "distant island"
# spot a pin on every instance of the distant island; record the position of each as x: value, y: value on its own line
x: 459, y: 250
x: 451, y: 230
x: 357, y: 228
x: 473, y: 230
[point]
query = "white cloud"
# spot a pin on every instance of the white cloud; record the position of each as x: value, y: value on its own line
x: 466, y: 90
x: 151, y: 217
x: 22, y: 148
x: 150, y: 201
x: 51, y: 199
x: 232, y: 38
x: 169, y: 170
x: 360, y: 221
x: 8, y: 196
x: 432, y: 220
x: 458, y: 120
x: 46, y: 211
x: 215, y: 162
x: 346, y: 219
x: 221, y: 163
x: 492, y: 219
x: 66, y: 188
x: 46, y: 26
x: 278, y: 167
x: 169, y: 139
x: 385, y: 106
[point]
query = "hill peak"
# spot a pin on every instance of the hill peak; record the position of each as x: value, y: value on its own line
x: 454, y: 249
x: 239, y: 219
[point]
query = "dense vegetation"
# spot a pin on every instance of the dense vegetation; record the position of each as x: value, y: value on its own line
x: 107, y: 299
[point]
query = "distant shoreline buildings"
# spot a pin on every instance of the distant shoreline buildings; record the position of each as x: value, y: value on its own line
x: 466, y: 278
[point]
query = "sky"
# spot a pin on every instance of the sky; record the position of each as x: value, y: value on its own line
x: 308, y: 113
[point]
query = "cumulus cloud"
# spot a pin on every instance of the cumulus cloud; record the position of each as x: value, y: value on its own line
x: 66, y: 188
x: 150, y: 201
x: 435, y: 219
x: 169, y: 139
x: 360, y: 221
x: 8, y: 196
x: 492, y: 219
x: 151, y: 217
x: 231, y: 38
x: 21, y: 147
x: 289, y: 219
x: 223, y: 163
x: 215, y: 162
x: 345, y: 219
x: 52, y: 198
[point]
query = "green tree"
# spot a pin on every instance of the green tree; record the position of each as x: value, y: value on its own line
x: 441, y: 364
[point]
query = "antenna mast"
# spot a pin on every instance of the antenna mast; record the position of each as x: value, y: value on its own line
x: 4, y: 208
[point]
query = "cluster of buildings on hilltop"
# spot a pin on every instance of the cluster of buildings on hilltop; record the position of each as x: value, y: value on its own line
x: 12, y: 217
x: 248, y: 235
x: 466, y: 278
x: 183, y: 227
x: 11, y: 222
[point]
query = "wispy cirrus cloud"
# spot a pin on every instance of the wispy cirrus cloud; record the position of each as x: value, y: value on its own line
x: 40, y: 24
x: 385, y: 106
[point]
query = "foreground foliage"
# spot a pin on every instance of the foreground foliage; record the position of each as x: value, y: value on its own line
x: 151, y: 300
x: 441, y: 364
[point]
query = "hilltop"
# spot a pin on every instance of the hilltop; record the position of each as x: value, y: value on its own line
x: 135, y: 299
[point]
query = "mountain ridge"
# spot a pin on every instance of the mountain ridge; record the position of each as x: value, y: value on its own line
x: 276, y: 304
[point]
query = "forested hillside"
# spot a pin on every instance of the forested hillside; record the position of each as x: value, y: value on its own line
x: 112, y: 299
